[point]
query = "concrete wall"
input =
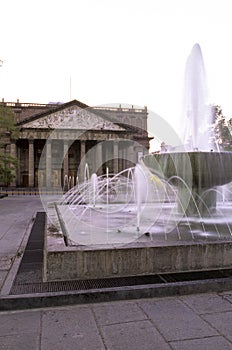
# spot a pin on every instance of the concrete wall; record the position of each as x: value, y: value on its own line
x: 84, y: 263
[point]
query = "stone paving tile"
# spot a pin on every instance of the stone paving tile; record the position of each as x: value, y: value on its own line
x: 118, y: 312
x: 20, y: 330
x: 207, y: 303
x: 175, y: 320
x: 227, y: 296
x: 3, y: 275
x: 222, y: 321
x: 19, y: 323
x: 210, y: 343
x: 20, y: 342
x: 74, y: 328
x: 139, y: 335
x: 6, y: 260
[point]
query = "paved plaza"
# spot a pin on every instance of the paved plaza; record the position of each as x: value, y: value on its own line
x: 192, y: 322
x: 196, y: 322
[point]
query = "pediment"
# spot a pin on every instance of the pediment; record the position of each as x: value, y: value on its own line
x: 73, y: 117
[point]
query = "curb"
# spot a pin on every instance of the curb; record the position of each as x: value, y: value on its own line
x: 43, y: 300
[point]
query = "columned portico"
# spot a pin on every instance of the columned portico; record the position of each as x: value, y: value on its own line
x: 73, y: 136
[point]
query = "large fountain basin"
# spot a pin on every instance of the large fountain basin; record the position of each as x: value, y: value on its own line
x: 196, y: 169
x: 145, y: 256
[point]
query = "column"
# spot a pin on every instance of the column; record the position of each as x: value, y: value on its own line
x: 115, y: 143
x: 31, y: 163
x: 120, y: 156
x: 131, y: 156
x: 65, y: 153
x: 99, y: 158
x: 13, y: 153
x: 48, y: 163
x: 82, y: 159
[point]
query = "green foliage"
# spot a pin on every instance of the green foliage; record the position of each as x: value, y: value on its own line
x: 7, y: 124
x: 7, y: 166
x: 8, y: 133
x: 223, y: 130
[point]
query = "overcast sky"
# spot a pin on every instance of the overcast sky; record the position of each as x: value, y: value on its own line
x: 115, y: 51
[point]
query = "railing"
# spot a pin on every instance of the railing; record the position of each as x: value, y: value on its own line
x: 26, y: 191
x: 121, y: 109
x: 29, y: 104
x: 20, y: 104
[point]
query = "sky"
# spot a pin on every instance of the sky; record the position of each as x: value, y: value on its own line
x: 104, y: 52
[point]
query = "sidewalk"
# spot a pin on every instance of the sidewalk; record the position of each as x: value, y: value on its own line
x: 195, y: 322
x: 192, y: 322
x: 16, y: 216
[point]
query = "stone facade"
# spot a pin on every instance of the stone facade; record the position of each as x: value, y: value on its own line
x: 57, y: 140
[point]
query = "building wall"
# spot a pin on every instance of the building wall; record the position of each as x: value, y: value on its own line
x: 127, y: 115
x: 103, y: 148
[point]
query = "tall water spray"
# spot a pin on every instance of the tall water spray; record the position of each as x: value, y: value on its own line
x: 94, y: 182
x: 196, y: 171
x: 197, y: 113
x: 141, y: 191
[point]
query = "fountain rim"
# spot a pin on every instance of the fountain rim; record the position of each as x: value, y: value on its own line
x: 188, y: 152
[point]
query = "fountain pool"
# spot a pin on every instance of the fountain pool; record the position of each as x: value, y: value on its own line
x: 160, y: 216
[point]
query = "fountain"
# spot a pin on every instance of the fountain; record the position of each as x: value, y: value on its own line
x: 108, y: 209
x: 200, y: 168
x: 160, y: 216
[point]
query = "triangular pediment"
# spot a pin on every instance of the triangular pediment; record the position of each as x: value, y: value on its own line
x: 72, y: 117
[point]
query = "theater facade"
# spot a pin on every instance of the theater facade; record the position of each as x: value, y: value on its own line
x: 62, y: 140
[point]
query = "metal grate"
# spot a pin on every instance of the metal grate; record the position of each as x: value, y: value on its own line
x: 79, y: 285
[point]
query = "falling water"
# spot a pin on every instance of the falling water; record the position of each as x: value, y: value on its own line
x: 77, y: 181
x: 94, y: 182
x: 140, y: 191
x: 66, y: 184
x: 86, y: 173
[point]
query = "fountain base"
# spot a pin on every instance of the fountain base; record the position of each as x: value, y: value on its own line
x: 142, y: 257
x: 196, y: 175
x: 202, y: 202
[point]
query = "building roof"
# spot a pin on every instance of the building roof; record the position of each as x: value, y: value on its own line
x: 56, y: 117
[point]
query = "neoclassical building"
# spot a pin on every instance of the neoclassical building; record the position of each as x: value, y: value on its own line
x: 58, y: 140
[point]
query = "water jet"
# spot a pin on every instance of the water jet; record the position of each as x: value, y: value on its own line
x: 200, y: 166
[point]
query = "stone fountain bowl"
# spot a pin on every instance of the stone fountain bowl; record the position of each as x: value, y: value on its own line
x: 196, y: 169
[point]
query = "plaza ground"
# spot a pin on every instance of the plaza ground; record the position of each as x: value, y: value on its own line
x: 198, y: 321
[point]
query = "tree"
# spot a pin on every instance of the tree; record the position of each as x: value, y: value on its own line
x: 8, y: 133
x: 223, y: 130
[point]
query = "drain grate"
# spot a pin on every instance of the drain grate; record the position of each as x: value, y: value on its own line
x: 78, y: 285
x: 30, y: 269
x: 65, y: 286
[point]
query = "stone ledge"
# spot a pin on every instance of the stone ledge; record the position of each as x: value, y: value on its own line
x: 83, y: 262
